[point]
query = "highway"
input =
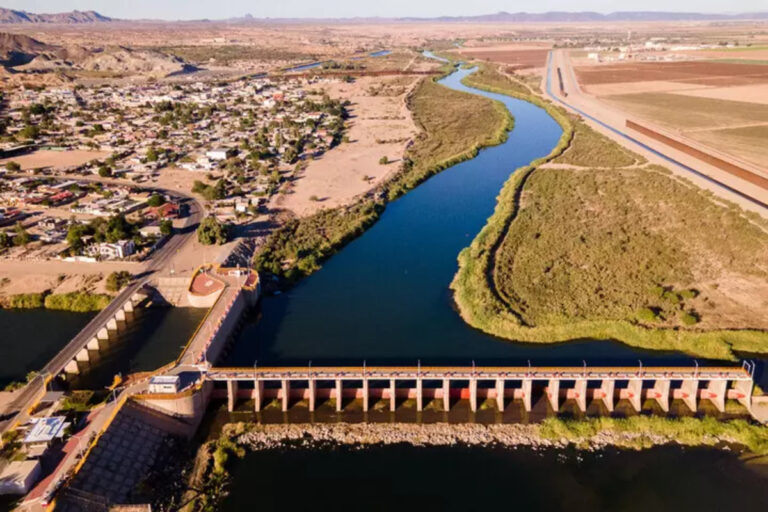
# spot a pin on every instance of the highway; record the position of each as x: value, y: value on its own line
x: 592, y: 110
x: 159, y: 261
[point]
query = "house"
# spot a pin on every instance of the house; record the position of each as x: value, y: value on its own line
x: 45, y: 430
x: 112, y: 251
x: 217, y: 154
x: 167, y: 210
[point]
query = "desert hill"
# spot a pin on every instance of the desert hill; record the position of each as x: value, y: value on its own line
x: 11, y: 16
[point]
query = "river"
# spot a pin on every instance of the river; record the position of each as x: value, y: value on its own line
x: 460, y: 478
x: 385, y: 298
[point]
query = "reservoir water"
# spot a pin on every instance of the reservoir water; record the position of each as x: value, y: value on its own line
x: 385, y: 297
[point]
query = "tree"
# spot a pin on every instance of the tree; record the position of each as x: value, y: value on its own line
x: 29, y: 132
x: 75, y: 236
x: 166, y: 227
x: 156, y: 200
x: 118, y: 280
x: 104, y: 171
x: 22, y: 237
x: 211, y: 231
x: 12, y: 166
x: 152, y: 155
x: 383, y: 160
x: 5, y: 240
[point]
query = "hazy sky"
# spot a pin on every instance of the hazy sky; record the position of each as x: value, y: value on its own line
x: 196, y: 9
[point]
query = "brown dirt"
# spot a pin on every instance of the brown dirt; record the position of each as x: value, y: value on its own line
x: 647, y: 71
x: 535, y: 58
x: 55, y: 159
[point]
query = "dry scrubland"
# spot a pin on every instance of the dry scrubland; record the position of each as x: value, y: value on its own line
x: 602, y: 245
x: 453, y: 126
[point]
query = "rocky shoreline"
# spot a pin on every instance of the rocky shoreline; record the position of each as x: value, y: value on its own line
x: 265, y: 437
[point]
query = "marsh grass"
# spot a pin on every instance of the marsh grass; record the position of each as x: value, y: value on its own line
x: 549, y: 264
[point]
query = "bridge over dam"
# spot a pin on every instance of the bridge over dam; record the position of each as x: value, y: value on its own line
x: 502, y: 384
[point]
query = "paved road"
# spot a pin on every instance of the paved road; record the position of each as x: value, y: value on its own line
x: 159, y: 262
x: 612, y: 123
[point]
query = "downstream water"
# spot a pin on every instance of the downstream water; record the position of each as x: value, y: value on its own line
x: 385, y: 297
x: 30, y: 338
x: 462, y: 478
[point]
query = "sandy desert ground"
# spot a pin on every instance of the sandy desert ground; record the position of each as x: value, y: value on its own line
x: 380, y: 125
x: 55, y: 159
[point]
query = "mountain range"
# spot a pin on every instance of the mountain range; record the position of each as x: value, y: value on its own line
x: 10, y: 16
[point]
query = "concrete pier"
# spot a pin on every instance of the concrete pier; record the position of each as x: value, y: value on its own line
x: 607, y: 390
x: 660, y: 393
x: 312, y: 394
x: 580, y: 394
x: 339, y: 396
x: 473, y: 394
x: 258, y: 394
x: 500, y: 394
x: 285, y: 390
x: 365, y: 395
x: 634, y: 393
x: 419, y: 395
x: 446, y: 395
x: 715, y: 392
x: 231, y: 394
x: 689, y: 392
x: 553, y: 394
x: 527, y: 390
x: 392, y: 395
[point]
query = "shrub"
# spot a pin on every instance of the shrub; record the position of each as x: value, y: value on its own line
x: 383, y: 160
x: 690, y: 318
x: 647, y: 315
x: 13, y: 166
x: 77, y: 302
x: 689, y: 294
x: 26, y: 301
x: 156, y: 200
x: 116, y: 281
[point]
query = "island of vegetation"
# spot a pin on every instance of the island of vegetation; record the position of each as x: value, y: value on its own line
x: 594, y: 242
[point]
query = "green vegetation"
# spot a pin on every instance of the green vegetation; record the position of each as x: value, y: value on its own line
x: 584, y: 253
x: 646, y: 431
x: 591, y: 149
x: 116, y: 281
x: 12, y: 166
x: 211, y: 232
x: 81, y: 401
x: 155, y: 200
x: 454, y: 125
x: 77, y: 301
x: 111, y: 230
x: 26, y: 301
x: 210, y: 192
x: 297, y: 248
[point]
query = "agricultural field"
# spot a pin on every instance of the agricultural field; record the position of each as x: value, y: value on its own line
x: 721, y: 105
x: 515, y: 56
x: 598, y: 243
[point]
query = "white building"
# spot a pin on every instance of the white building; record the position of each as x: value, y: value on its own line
x: 164, y: 384
x: 19, y: 477
x: 115, y: 251
x: 217, y: 154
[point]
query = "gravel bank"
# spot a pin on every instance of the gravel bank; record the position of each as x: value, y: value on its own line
x: 264, y: 437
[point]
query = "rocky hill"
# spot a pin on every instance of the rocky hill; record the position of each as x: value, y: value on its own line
x: 11, y: 16
x: 22, y: 53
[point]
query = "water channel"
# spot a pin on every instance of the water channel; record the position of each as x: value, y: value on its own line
x: 30, y: 338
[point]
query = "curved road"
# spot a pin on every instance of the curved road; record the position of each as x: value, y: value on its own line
x: 159, y: 261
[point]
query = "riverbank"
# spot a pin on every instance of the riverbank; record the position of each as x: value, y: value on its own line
x: 590, y: 434
x: 500, y: 306
x: 76, y: 302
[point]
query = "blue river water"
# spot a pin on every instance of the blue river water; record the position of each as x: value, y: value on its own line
x: 385, y: 298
